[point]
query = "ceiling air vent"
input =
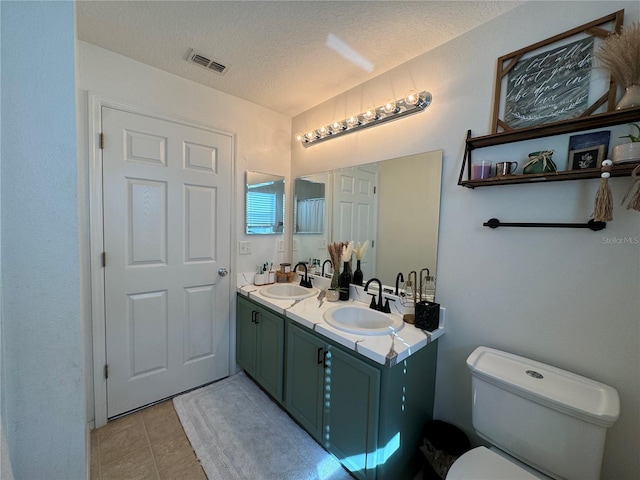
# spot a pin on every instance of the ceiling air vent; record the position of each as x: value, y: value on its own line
x: 207, y: 62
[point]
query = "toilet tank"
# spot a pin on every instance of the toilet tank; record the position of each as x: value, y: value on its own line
x: 551, y: 419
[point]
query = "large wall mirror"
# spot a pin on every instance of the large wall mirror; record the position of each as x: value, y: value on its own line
x: 393, y: 204
x: 264, y: 203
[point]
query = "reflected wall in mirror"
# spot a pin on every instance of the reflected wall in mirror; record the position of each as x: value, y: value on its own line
x: 264, y: 203
x: 394, y: 204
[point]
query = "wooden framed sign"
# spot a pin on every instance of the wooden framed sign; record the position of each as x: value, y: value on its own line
x: 552, y: 80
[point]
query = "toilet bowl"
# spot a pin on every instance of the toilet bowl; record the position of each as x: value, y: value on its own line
x: 482, y: 463
x: 539, y: 419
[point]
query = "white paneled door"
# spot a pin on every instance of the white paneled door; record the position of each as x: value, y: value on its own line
x: 355, y: 210
x: 167, y: 192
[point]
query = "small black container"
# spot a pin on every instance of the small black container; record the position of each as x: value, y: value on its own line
x: 427, y: 315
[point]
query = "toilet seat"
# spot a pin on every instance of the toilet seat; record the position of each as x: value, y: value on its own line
x: 481, y: 463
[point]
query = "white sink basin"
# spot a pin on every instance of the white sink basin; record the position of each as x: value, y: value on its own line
x: 362, y: 320
x: 287, y: 291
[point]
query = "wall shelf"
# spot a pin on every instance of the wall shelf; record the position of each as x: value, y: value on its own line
x: 599, y: 120
x: 621, y: 170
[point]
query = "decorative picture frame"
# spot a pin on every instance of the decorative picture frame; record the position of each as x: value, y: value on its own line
x: 588, y: 157
x: 581, y: 141
x: 550, y: 81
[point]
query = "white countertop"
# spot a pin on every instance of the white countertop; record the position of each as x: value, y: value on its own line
x: 384, y: 349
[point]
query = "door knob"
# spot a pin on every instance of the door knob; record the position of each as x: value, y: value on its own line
x: 222, y: 271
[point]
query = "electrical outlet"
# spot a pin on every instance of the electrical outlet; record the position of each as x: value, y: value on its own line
x: 280, y: 245
x: 322, y: 244
x: 295, y: 245
x: 244, y: 248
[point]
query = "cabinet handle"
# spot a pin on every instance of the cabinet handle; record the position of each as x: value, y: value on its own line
x: 257, y: 321
x: 319, y: 357
x: 253, y: 316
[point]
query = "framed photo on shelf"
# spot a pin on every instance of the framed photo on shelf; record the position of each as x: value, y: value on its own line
x: 554, y: 80
x: 579, y: 142
x: 589, y: 157
x: 586, y: 140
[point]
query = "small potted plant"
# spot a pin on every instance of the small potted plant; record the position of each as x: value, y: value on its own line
x: 628, y: 152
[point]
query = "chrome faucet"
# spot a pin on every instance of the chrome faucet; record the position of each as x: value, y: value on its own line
x: 304, y: 281
x: 323, y: 264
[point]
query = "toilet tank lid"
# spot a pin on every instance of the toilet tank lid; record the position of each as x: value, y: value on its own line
x: 556, y: 388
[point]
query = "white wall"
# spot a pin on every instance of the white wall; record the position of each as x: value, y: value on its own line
x: 565, y: 297
x: 261, y: 137
x: 43, y: 405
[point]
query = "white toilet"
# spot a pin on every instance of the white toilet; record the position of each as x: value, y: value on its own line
x: 543, y: 422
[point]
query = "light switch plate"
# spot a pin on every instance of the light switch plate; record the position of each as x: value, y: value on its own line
x: 244, y: 248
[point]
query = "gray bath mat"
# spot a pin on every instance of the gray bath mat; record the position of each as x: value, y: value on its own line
x: 239, y: 433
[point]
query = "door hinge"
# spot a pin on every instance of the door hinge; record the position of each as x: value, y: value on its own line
x: 106, y: 371
x: 104, y: 259
x: 374, y: 190
x: 373, y: 243
x: 101, y: 141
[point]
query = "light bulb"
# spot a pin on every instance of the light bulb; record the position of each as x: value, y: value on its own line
x: 389, y: 106
x: 299, y: 137
x: 353, y: 120
x: 323, y: 132
x: 337, y: 127
x: 310, y: 135
x: 370, y: 114
x: 412, y: 98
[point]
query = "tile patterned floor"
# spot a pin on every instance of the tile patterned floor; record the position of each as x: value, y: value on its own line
x: 148, y: 444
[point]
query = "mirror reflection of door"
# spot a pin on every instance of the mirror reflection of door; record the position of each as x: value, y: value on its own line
x: 405, y: 226
x: 264, y: 203
x: 354, y: 210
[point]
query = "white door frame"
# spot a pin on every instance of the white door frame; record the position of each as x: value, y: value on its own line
x: 98, y: 320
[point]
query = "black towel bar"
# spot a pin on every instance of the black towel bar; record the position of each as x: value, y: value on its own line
x: 591, y: 224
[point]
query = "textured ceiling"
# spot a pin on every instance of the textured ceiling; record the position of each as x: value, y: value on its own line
x: 278, y: 50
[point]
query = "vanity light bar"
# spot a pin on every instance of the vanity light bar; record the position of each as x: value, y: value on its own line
x: 392, y: 110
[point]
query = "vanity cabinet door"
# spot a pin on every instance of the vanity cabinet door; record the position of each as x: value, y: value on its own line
x: 260, y: 345
x: 270, y: 352
x: 351, y: 412
x: 246, y: 333
x: 305, y: 379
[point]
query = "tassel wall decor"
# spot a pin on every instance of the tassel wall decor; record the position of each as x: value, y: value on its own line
x: 634, y: 203
x: 603, y: 209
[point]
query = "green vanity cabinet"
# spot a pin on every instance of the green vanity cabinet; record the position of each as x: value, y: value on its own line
x: 334, y: 396
x: 370, y: 416
x: 260, y: 345
x: 351, y: 411
x: 305, y: 378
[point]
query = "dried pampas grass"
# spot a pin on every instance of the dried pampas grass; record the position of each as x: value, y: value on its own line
x: 360, y: 249
x: 347, y: 251
x: 335, y: 254
x: 620, y: 54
